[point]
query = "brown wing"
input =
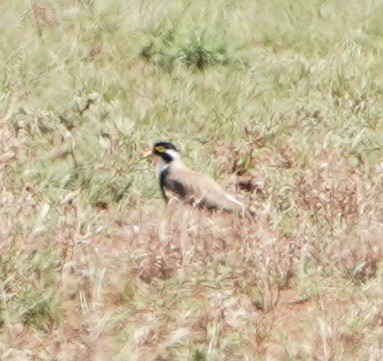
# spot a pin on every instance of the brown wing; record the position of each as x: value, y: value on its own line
x: 196, y: 188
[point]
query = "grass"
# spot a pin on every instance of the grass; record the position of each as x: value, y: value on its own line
x: 280, y: 101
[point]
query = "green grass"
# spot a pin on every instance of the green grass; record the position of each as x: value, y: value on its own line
x: 284, y: 95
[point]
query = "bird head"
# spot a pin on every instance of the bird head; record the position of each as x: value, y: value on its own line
x: 167, y: 151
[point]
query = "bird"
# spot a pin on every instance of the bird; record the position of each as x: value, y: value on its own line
x: 190, y: 186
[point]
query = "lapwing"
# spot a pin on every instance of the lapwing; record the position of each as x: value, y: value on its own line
x: 190, y: 186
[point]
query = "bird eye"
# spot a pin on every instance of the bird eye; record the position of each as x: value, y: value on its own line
x: 160, y: 148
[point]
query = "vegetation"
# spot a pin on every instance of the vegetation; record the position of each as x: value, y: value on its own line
x: 281, y: 101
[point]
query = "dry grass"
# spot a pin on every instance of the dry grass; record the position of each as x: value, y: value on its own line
x: 279, y: 100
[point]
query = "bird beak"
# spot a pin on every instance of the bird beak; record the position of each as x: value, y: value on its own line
x: 148, y: 154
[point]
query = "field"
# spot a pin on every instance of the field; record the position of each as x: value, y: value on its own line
x: 279, y: 100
